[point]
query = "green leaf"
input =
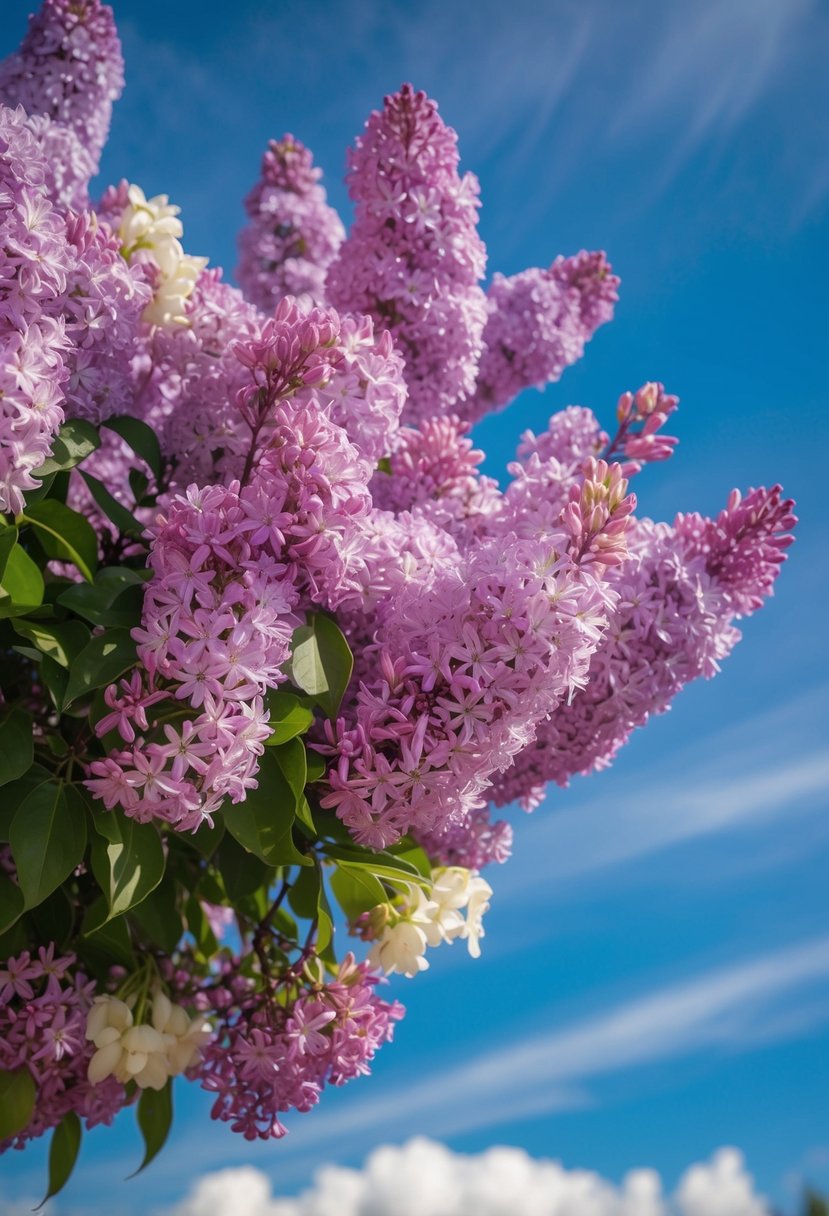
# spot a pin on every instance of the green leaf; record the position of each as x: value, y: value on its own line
x: 54, y: 919
x: 17, y: 1101
x: 8, y: 539
x: 155, y: 1117
x: 16, y: 746
x: 22, y: 584
x: 242, y: 873
x: 15, y: 792
x: 127, y: 860
x: 11, y: 902
x: 62, y: 643
x: 63, y: 1153
x: 383, y: 864
x: 55, y: 679
x: 101, y: 662
x: 47, y: 839
x: 289, y: 717
x: 64, y: 534
x: 105, y: 943
x: 308, y: 899
x: 123, y: 519
x: 321, y: 662
x: 141, y: 438
x: 115, y: 598
x: 356, y: 890
x: 199, y: 926
x: 159, y: 918
x: 75, y: 440
x: 262, y: 823
x: 294, y: 768
x: 316, y: 767
x: 205, y: 840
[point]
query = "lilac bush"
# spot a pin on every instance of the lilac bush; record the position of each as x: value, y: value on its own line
x: 273, y: 647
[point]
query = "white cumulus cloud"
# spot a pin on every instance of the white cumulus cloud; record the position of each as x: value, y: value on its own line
x: 423, y: 1178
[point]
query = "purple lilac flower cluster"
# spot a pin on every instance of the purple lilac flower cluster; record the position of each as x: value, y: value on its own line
x: 44, y: 1001
x: 66, y: 75
x: 293, y: 235
x: 537, y: 324
x: 274, y: 1052
x: 413, y: 259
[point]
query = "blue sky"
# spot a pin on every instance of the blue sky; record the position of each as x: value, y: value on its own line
x: 655, y: 979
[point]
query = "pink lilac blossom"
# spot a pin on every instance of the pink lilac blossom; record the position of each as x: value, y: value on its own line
x: 35, y: 264
x: 44, y: 1001
x: 270, y: 1056
x: 68, y: 68
x: 537, y: 325
x: 466, y: 668
x: 105, y: 298
x: 292, y: 235
x: 678, y: 595
x: 216, y: 629
x: 413, y: 258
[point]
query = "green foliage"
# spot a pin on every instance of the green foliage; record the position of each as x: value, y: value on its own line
x: 127, y: 860
x: 155, y: 1117
x: 17, y: 1101
x: 47, y: 838
x: 63, y: 1153
x: 321, y: 662
x: 16, y: 746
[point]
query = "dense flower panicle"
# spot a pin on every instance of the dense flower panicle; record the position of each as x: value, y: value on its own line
x: 744, y: 546
x: 572, y: 436
x: 434, y: 470
x: 68, y: 68
x: 35, y: 264
x: 44, y: 1002
x: 271, y: 1056
x: 413, y: 259
x: 537, y: 325
x: 216, y: 629
x: 471, y: 840
x: 69, y: 163
x: 293, y: 235
x: 105, y: 299
x: 678, y: 595
x: 189, y: 379
x: 467, y: 668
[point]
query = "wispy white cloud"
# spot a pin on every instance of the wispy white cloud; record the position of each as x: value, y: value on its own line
x: 423, y: 1178
x: 718, y: 1010
x: 767, y: 769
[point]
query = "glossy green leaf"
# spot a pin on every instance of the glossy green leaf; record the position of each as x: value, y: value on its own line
x: 21, y: 588
x: 127, y: 860
x: 155, y: 1117
x: 288, y: 717
x: 11, y: 902
x: 383, y: 864
x: 199, y: 927
x: 64, y: 534
x: 101, y: 602
x: 63, y: 1153
x: 17, y: 1101
x: 241, y: 871
x: 321, y: 662
x: 262, y: 823
x: 54, y: 919
x: 141, y: 438
x: 8, y: 539
x: 356, y: 891
x: 47, y: 839
x: 123, y: 519
x: 62, y: 643
x: 75, y: 440
x: 159, y: 918
x: 16, y: 746
x: 105, y: 943
x: 15, y: 792
x: 294, y: 767
x: 101, y: 662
